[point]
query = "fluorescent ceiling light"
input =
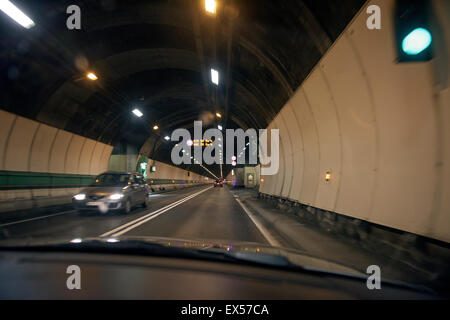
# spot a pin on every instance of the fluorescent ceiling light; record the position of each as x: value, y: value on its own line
x: 137, y: 113
x: 210, y: 6
x: 215, y: 77
x: 13, y: 12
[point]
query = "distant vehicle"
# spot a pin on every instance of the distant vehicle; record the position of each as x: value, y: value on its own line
x: 113, y: 191
x: 218, y: 183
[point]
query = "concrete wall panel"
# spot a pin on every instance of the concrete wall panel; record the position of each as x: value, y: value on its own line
x: 270, y: 181
x: 96, y: 158
x: 324, y: 112
x: 86, y: 156
x: 381, y: 128
x: 308, y: 126
x: 279, y: 178
x: 59, y: 150
x: 40, y: 150
x: 58, y: 193
x: 104, y: 162
x: 40, y: 193
x: 288, y: 155
x: 73, y: 154
x: 6, y: 122
x: 440, y: 219
x: 166, y: 171
x: 403, y: 100
x: 356, y: 117
x: 19, y: 144
x: 30, y: 146
x: 297, y: 151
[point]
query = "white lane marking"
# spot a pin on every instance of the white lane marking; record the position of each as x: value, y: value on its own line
x: 37, y: 218
x: 260, y: 227
x: 145, y: 216
x: 137, y: 222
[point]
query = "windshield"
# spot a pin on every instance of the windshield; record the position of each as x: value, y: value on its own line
x: 107, y: 180
x: 316, y: 127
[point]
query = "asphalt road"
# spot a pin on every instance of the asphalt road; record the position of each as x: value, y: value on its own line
x: 199, y: 213
x: 207, y: 214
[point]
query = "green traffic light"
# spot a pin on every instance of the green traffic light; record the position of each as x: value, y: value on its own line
x: 416, y: 41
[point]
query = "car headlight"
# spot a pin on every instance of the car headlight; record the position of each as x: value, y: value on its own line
x: 116, y: 196
x: 80, y: 196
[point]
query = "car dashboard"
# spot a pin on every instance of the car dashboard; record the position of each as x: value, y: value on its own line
x: 45, y: 275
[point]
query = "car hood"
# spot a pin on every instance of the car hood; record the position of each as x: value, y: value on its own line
x: 248, y: 251
x: 102, y: 191
x: 216, y: 250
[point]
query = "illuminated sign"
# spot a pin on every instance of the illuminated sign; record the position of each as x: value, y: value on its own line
x: 203, y: 143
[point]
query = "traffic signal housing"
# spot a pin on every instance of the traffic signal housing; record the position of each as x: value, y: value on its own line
x: 413, y: 32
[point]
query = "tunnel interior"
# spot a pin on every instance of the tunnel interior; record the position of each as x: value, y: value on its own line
x: 157, y: 56
x: 358, y: 137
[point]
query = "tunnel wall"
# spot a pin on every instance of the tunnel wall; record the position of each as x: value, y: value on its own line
x: 168, y: 172
x: 123, y: 162
x: 380, y: 128
x: 39, y: 160
x: 238, y: 177
x: 164, y: 171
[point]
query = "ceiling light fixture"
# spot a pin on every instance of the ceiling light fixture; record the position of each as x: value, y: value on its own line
x: 137, y: 113
x: 91, y: 76
x: 210, y: 6
x: 16, y: 14
x: 215, y: 77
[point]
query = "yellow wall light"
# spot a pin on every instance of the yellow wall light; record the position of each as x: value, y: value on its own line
x: 91, y: 76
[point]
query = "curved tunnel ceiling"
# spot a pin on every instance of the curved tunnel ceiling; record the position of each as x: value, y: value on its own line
x: 157, y: 55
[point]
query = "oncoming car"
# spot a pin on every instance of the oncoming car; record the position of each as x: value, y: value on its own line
x: 113, y: 191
